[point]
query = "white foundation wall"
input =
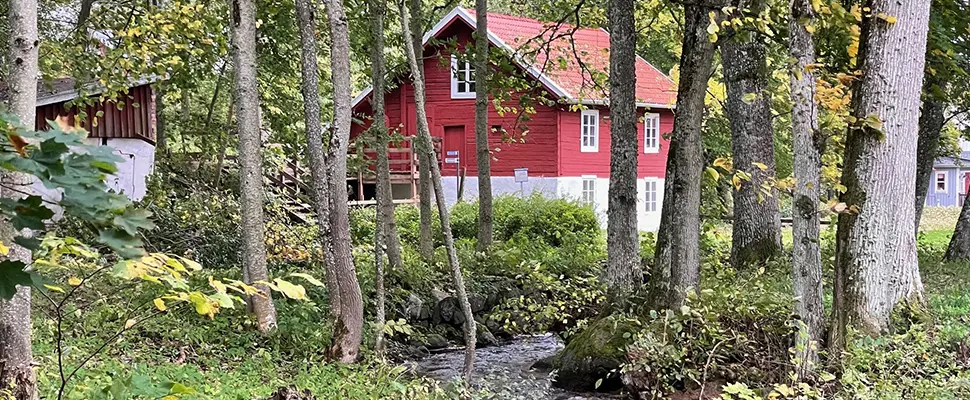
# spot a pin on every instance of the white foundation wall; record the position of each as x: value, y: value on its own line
x: 501, y: 185
x: 136, y: 165
x: 563, y: 187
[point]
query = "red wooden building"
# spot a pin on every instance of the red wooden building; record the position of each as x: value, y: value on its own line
x: 566, y: 151
x: 126, y: 123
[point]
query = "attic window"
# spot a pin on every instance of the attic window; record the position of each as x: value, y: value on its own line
x: 462, y: 79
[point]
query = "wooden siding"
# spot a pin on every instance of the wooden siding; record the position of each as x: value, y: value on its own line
x: 538, y: 151
x: 135, y: 119
x: 574, y: 162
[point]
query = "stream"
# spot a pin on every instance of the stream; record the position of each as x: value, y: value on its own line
x: 503, y: 371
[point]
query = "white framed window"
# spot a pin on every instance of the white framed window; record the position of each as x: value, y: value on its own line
x: 941, y: 182
x: 650, y: 190
x: 462, y: 79
x: 589, y: 190
x: 589, y: 131
x: 651, y: 133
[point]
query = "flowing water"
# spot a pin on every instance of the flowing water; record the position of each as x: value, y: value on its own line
x: 503, y: 371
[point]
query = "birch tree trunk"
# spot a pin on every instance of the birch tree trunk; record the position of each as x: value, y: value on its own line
x: 931, y: 121
x: 306, y: 20
x: 348, y: 331
x: 756, y: 232
x: 875, y: 262
x: 676, y: 266
x: 807, y: 165
x: 482, y: 153
x: 623, y: 273
x: 161, y: 123
x: 425, y: 238
x: 16, y: 371
x: 425, y: 147
x: 250, y: 160
x: 385, y: 238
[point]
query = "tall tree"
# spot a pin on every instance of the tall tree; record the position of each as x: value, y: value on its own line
x: 876, y: 268
x: 250, y: 160
x: 807, y: 165
x: 348, y: 330
x: 425, y: 238
x: 677, y: 260
x: 959, y: 247
x: 931, y: 120
x: 425, y: 147
x: 385, y: 200
x: 623, y: 272
x: 306, y: 20
x: 482, y: 153
x: 386, y: 237
x: 756, y: 232
x: 16, y: 371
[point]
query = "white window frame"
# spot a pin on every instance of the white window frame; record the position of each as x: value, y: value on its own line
x: 590, y: 191
x: 584, y: 145
x: 469, y: 79
x: 936, y: 181
x: 651, y: 133
x: 651, y: 201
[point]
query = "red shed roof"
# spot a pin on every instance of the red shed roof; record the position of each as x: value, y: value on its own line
x: 572, y: 62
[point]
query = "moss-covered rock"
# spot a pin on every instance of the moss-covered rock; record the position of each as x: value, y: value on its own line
x: 593, y: 355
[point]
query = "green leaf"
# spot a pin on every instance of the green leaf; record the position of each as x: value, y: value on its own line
x: 12, y: 274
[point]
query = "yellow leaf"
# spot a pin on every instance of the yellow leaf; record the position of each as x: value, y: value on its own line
x: 170, y: 397
x: 53, y: 288
x: 293, y: 291
x: 4, y: 249
x: 760, y: 166
x: 160, y: 304
x: 130, y: 323
x: 74, y: 281
x: 309, y: 278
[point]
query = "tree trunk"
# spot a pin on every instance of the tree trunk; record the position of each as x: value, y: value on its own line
x: 425, y: 238
x: 931, y: 121
x: 385, y: 227
x: 348, y: 331
x: 250, y: 159
x: 756, y: 234
x: 425, y: 147
x: 306, y: 19
x: 623, y: 273
x: 224, y: 142
x: 676, y: 266
x: 482, y: 153
x: 875, y: 261
x: 807, y: 165
x: 385, y: 197
x: 16, y: 372
x: 161, y: 125
x: 959, y: 248
x: 84, y: 14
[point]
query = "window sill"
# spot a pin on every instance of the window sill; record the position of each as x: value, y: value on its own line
x: 456, y: 95
x: 589, y: 150
x: 651, y: 151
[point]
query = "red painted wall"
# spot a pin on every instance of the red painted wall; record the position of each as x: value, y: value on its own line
x: 573, y: 162
x: 131, y: 121
x: 538, y: 151
x: 552, y: 143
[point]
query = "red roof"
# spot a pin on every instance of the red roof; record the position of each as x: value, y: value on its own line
x: 557, y: 59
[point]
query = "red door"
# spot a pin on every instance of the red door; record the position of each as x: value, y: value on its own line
x: 453, y: 150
